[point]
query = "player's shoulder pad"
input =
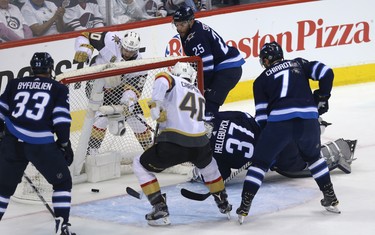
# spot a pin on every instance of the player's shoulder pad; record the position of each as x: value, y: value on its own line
x: 166, y: 76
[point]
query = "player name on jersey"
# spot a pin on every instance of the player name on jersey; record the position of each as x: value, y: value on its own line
x: 220, y: 136
x: 34, y: 85
x: 279, y: 67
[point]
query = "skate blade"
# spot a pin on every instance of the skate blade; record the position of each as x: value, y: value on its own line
x: 241, y: 219
x: 160, y: 222
x: 333, y: 209
x: 228, y: 215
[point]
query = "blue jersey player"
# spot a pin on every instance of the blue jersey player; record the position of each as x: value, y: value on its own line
x: 287, y: 113
x: 221, y: 63
x: 33, y: 110
x: 233, y: 138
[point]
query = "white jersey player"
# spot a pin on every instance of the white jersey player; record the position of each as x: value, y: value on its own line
x: 122, y: 91
x: 178, y: 106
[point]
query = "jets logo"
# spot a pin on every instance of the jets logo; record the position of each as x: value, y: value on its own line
x: 12, y: 22
x: 190, y: 36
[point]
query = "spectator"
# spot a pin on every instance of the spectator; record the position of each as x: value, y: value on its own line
x: 43, y: 17
x: 153, y: 8
x: 83, y: 14
x: 123, y: 11
x: 18, y: 3
x: 173, y: 5
x: 12, y: 24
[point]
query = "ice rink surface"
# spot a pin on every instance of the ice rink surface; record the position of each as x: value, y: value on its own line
x: 282, y: 206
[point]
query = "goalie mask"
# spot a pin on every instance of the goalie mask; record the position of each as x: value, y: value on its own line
x: 131, y: 41
x: 184, y: 70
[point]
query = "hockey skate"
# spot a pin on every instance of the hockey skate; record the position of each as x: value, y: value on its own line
x: 330, y: 201
x: 159, y: 216
x: 62, y: 229
x: 244, y: 208
x: 221, y: 199
x: 346, y: 160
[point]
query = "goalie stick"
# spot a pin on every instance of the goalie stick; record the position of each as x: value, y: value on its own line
x: 203, y: 196
x: 39, y: 195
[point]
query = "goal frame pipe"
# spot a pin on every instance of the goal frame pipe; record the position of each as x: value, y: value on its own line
x: 136, y: 68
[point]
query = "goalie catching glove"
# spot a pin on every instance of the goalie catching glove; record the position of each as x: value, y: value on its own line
x: 83, y: 53
x: 157, y: 113
x: 129, y: 99
x: 321, y: 100
x: 67, y: 150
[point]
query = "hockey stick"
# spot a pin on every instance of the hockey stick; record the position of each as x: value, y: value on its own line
x: 39, y: 195
x: 134, y: 193
x: 203, y: 196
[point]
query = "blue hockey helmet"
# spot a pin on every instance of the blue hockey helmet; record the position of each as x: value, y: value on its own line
x: 41, y: 63
x: 272, y: 52
x: 183, y: 14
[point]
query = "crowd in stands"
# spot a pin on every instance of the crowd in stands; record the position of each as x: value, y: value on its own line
x: 22, y: 19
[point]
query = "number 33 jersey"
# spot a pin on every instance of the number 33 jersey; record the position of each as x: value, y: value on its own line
x: 35, y: 108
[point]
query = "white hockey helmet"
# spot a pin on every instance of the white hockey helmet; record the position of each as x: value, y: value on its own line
x: 131, y: 41
x: 184, y: 70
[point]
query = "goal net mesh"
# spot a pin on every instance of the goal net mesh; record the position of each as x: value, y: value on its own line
x: 121, y: 127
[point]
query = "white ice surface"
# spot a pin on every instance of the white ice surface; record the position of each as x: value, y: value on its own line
x: 282, y: 206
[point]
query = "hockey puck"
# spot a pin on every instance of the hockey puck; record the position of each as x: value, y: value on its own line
x: 94, y: 190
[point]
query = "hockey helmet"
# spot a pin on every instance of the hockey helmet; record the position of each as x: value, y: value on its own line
x: 184, y: 70
x: 131, y: 41
x: 272, y: 52
x: 42, y: 63
x: 183, y: 14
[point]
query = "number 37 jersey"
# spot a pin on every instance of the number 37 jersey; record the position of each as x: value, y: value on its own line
x: 36, y: 108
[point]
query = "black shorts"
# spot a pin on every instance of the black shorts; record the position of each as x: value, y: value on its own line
x: 164, y: 155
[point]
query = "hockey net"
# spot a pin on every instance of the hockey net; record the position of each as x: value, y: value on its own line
x: 100, y: 151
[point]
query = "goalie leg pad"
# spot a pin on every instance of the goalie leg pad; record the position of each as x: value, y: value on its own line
x: 136, y: 125
x: 338, y: 154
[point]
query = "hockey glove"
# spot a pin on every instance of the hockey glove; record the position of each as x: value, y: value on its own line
x: 67, y: 150
x: 321, y: 100
x: 129, y: 99
x: 157, y: 113
x: 84, y: 53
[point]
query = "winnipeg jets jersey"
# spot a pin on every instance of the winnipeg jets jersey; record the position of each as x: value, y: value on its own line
x: 184, y: 105
x: 36, y: 108
x: 233, y: 138
x: 203, y: 41
x: 283, y: 92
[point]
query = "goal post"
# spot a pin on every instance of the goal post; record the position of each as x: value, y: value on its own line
x: 105, y: 140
